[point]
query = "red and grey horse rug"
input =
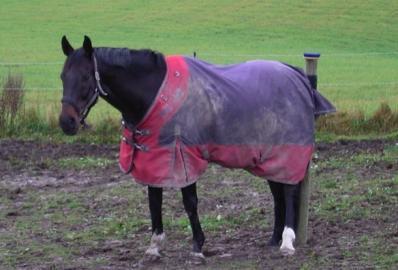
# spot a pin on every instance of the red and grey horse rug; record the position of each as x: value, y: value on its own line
x: 256, y: 115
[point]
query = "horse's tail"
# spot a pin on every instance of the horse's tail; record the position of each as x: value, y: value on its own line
x: 321, y: 104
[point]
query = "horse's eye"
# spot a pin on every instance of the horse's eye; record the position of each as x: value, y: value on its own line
x: 85, y: 78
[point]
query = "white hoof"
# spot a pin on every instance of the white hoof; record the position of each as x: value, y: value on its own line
x: 157, y: 244
x: 198, y: 255
x: 286, y: 251
x: 152, y: 252
x: 288, y: 237
x: 197, y: 258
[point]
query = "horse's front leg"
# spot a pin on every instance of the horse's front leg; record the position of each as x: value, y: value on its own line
x: 291, y: 193
x: 190, y: 200
x: 155, y: 196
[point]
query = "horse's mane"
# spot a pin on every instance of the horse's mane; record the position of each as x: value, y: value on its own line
x: 127, y: 58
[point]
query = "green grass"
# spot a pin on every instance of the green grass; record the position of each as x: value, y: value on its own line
x: 84, y: 162
x: 345, y: 199
x: 347, y: 33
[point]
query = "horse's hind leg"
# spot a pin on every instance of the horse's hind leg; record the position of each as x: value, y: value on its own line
x: 291, y: 193
x: 155, y: 196
x: 190, y: 200
x: 277, y: 191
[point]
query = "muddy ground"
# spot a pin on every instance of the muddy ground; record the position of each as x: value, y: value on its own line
x: 67, y: 206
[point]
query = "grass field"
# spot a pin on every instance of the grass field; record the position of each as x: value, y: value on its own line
x: 358, y: 68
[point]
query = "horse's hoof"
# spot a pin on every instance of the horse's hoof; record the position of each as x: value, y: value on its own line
x: 288, y: 237
x: 152, y: 252
x: 198, y: 258
x: 286, y: 251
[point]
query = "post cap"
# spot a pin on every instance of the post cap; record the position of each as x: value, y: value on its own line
x: 312, y: 55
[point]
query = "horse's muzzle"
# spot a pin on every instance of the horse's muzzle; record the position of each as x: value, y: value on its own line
x: 68, y: 120
x: 68, y: 124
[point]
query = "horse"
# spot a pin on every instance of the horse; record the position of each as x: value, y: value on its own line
x: 177, y: 119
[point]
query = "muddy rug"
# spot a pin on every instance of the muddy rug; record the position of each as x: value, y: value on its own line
x: 257, y: 115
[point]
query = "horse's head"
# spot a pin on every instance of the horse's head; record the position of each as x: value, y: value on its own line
x: 79, y: 85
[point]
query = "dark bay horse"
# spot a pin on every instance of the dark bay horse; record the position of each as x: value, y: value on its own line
x: 130, y: 80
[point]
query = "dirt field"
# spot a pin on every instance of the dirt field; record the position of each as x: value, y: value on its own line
x: 65, y: 206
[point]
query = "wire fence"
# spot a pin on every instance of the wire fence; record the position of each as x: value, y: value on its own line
x: 229, y: 55
x: 297, y: 55
x: 341, y: 73
x: 327, y: 85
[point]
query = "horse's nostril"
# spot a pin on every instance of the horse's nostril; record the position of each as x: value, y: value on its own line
x: 67, y: 120
x: 71, y: 121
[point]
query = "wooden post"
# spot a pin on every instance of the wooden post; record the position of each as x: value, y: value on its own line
x: 311, y: 60
x: 311, y: 64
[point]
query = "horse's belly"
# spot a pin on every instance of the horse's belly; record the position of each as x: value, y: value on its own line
x: 280, y: 163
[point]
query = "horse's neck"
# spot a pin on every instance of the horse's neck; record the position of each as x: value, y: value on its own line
x: 131, y: 90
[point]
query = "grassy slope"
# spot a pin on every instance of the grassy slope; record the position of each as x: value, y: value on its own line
x: 221, y: 32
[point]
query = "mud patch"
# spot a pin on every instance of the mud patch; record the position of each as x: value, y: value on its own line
x: 97, y: 218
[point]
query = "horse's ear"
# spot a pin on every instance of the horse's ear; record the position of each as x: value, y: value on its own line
x: 87, y: 46
x: 66, y: 47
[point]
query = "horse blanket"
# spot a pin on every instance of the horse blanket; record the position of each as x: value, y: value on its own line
x: 256, y: 115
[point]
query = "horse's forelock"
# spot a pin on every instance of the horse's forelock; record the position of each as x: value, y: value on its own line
x: 75, y: 58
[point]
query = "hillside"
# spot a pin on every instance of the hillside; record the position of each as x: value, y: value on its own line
x: 357, y: 39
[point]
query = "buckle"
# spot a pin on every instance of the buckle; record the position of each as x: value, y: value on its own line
x: 141, y: 147
x: 142, y: 132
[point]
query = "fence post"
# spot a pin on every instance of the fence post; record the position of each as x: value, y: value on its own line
x: 311, y: 60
